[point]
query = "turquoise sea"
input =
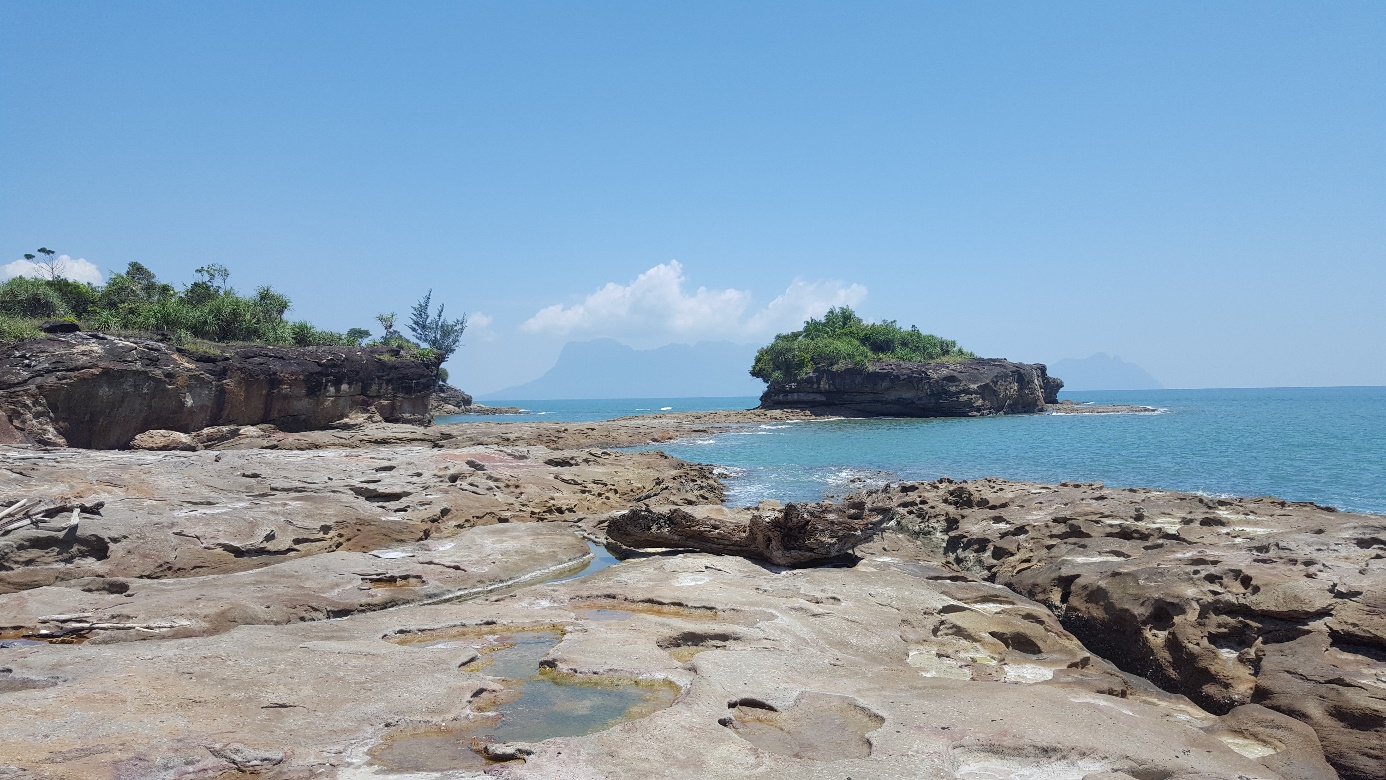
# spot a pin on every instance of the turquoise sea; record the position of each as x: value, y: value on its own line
x: 1326, y: 445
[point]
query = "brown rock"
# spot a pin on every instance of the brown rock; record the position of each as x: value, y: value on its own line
x: 164, y: 441
x: 1228, y: 601
x: 99, y: 391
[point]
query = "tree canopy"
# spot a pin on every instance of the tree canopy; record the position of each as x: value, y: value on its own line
x: 136, y: 301
x: 842, y: 338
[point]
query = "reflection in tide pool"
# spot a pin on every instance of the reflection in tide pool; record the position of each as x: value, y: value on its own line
x: 537, y: 704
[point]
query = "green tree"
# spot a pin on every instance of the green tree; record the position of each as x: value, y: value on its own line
x: 842, y: 338
x: 434, y: 330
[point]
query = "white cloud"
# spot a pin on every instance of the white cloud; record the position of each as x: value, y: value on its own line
x: 479, y: 326
x: 76, y: 269
x: 801, y: 301
x: 657, y: 308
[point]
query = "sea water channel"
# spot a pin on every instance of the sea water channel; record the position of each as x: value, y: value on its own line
x: 1326, y: 445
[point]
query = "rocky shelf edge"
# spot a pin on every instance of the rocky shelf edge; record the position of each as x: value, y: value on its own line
x: 100, y: 391
x: 1227, y: 601
x: 968, y: 388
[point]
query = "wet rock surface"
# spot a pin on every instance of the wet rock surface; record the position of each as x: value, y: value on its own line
x: 967, y: 388
x: 1229, y: 601
x: 100, y: 391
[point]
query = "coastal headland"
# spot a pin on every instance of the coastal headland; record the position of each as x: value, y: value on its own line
x: 350, y: 602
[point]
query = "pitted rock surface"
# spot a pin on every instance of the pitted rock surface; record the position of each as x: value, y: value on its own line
x: 1228, y: 601
x: 885, y: 670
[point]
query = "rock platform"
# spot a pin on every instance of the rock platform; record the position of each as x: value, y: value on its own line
x: 329, y: 604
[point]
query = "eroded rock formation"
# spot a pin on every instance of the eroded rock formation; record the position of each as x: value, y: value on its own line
x: 968, y: 388
x: 1228, y: 601
x: 99, y: 391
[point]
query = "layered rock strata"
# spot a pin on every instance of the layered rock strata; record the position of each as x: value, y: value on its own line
x: 968, y: 388
x: 99, y: 391
x: 1228, y: 601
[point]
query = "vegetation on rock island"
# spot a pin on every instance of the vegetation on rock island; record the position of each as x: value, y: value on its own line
x: 842, y: 339
x: 208, y: 309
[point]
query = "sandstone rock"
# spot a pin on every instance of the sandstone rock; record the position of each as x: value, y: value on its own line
x: 182, y: 514
x: 449, y: 400
x: 881, y: 670
x: 793, y: 535
x: 1229, y: 601
x: 967, y: 388
x: 99, y: 391
x: 163, y: 441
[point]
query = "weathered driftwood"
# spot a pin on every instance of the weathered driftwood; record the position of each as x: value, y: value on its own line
x: 792, y: 535
x: 81, y: 624
x: 33, y: 515
x: 16, y: 506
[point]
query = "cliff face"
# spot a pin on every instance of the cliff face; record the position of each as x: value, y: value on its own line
x: 98, y: 391
x: 970, y: 388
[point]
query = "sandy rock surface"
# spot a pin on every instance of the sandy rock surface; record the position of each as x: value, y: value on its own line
x: 890, y: 669
x: 348, y: 603
x: 182, y: 514
x: 1229, y: 601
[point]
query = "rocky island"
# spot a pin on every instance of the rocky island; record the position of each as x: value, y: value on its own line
x: 843, y: 365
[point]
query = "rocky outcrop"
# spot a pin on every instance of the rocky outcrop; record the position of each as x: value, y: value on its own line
x: 1228, y: 601
x: 449, y: 400
x: 99, y: 391
x: 968, y: 388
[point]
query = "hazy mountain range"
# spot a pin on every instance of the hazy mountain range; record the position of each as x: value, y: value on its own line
x: 1102, y: 372
x: 609, y: 369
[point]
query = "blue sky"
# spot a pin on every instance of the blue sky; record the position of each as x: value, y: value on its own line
x: 1199, y: 188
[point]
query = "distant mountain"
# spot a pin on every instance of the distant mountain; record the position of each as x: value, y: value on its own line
x: 609, y: 369
x: 1102, y: 372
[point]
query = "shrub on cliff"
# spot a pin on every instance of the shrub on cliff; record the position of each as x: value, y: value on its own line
x: 842, y: 338
x: 33, y: 298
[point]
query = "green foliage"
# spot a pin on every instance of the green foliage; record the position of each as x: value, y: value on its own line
x: 434, y: 331
x: 14, y: 329
x: 32, y: 298
x: 205, y: 312
x: 841, y: 339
